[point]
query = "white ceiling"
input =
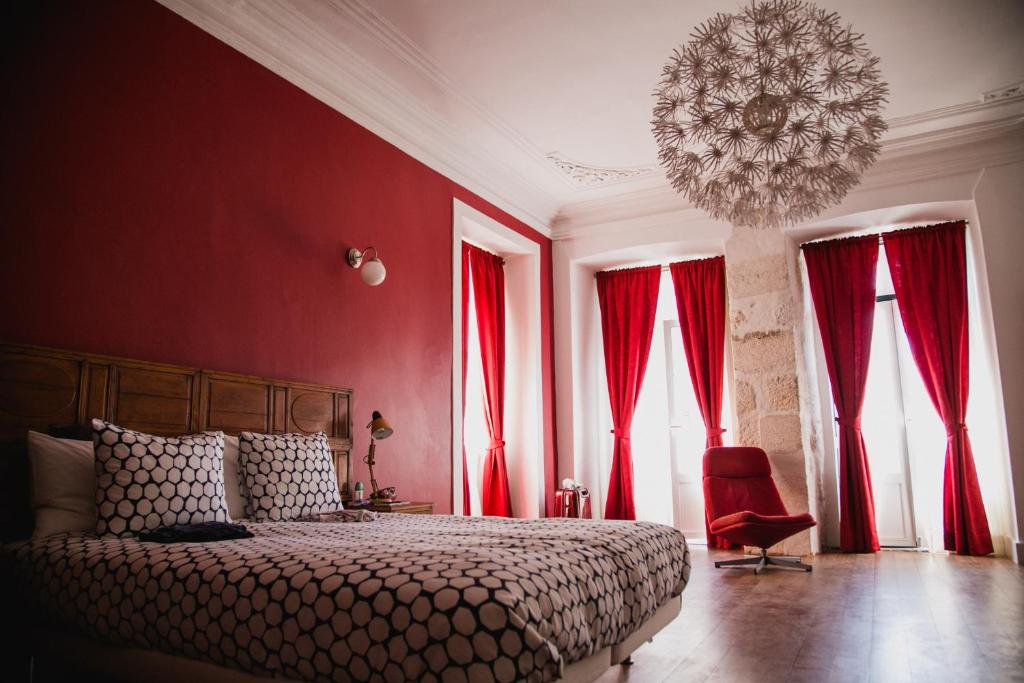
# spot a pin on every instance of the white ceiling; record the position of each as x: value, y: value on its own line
x: 576, y: 76
x: 485, y: 90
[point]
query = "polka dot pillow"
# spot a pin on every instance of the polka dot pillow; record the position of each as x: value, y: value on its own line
x: 286, y: 476
x: 145, y: 482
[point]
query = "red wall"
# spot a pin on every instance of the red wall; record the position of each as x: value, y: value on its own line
x: 164, y: 197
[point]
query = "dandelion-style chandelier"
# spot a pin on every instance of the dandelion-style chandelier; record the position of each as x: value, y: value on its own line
x: 768, y: 116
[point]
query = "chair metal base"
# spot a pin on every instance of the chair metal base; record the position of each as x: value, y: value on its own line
x: 764, y: 560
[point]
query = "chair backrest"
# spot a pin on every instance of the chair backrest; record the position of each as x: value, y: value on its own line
x: 739, y: 478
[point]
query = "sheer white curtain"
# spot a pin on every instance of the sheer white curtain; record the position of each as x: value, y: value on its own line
x: 476, y: 435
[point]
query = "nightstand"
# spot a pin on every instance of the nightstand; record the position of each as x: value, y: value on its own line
x: 413, y: 508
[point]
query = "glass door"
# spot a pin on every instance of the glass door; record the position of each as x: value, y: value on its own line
x: 687, y: 437
x: 885, y: 431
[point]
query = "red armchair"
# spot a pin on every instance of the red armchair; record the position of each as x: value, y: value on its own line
x: 744, y: 506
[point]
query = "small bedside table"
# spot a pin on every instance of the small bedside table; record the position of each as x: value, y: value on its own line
x: 413, y: 508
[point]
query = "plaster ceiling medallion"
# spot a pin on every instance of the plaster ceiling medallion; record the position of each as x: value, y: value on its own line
x: 583, y: 175
x: 1003, y: 93
x: 770, y: 115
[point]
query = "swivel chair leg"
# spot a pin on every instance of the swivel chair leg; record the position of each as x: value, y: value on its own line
x: 764, y: 560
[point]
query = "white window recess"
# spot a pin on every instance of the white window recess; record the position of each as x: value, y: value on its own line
x: 524, y: 398
x: 668, y: 433
x: 903, y: 433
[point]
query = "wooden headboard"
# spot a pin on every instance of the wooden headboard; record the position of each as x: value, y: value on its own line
x: 59, y: 392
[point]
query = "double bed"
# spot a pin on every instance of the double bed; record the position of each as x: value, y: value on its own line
x: 352, y: 597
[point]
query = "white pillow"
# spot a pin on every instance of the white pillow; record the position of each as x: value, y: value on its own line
x: 63, y: 484
x: 233, y: 480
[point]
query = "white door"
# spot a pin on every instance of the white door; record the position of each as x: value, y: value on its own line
x: 686, y: 440
x: 885, y: 434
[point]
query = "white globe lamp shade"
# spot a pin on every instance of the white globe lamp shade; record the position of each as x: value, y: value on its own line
x: 373, y: 272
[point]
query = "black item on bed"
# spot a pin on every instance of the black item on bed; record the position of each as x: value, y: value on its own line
x: 196, y: 533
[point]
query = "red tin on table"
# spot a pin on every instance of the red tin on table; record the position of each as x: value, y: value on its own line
x: 573, y: 501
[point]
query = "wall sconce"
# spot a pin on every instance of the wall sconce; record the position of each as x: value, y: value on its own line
x: 372, y: 271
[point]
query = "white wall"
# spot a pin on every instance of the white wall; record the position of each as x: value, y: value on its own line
x: 981, y: 180
x: 988, y: 196
x: 985, y: 401
x: 999, y: 199
x: 524, y: 457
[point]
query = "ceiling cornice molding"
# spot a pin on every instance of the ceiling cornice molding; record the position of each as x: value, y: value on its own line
x: 676, y: 217
x: 577, y: 218
x: 955, y: 116
x: 348, y: 56
x: 391, y: 38
x: 296, y: 48
x: 913, y: 158
x: 947, y: 152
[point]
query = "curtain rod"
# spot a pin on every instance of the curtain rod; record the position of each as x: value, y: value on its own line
x: 663, y: 267
x: 881, y: 239
x: 484, y: 249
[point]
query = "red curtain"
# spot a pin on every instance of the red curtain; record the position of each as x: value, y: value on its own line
x: 629, y: 300
x: 700, y: 299
x: 929, y: 276
x: 465, y: 316
x: 488, y: 277
x: 841, y: 275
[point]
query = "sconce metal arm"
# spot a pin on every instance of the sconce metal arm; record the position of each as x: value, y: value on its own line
x: 355, y: 257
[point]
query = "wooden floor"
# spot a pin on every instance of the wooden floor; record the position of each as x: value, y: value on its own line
x: 893, y: 616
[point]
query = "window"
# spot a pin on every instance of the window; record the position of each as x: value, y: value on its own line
x: 905, y: 438
x: 668, y: 433
x: 477, y: 437
x: 524, y: 397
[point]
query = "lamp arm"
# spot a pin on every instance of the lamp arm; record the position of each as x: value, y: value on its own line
x: 369, y: 463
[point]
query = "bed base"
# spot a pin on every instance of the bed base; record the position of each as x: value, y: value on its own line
x: 90, y: 660
x: 664, y: 616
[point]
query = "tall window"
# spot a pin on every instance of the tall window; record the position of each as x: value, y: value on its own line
x: 524, y: 407
x: 905, y: 437
x: 884, y: 418
x: 474, y: 424
x: 668, y: 433
x: 484, y: 305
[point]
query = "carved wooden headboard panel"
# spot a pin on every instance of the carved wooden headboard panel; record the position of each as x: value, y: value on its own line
x: 59, y: 392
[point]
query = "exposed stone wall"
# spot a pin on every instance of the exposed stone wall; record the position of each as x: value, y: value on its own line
x: 765, y: 331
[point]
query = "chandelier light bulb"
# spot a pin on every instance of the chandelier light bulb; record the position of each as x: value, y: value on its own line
x: 765, y: 115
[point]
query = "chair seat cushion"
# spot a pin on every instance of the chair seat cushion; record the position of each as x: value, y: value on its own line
x: 748, y: 517
x: 749, y: 528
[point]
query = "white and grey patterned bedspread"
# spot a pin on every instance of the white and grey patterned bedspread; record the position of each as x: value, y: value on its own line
x: 402, y: 598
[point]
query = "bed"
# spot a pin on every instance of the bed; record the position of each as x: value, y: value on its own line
x: 393, y: 598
